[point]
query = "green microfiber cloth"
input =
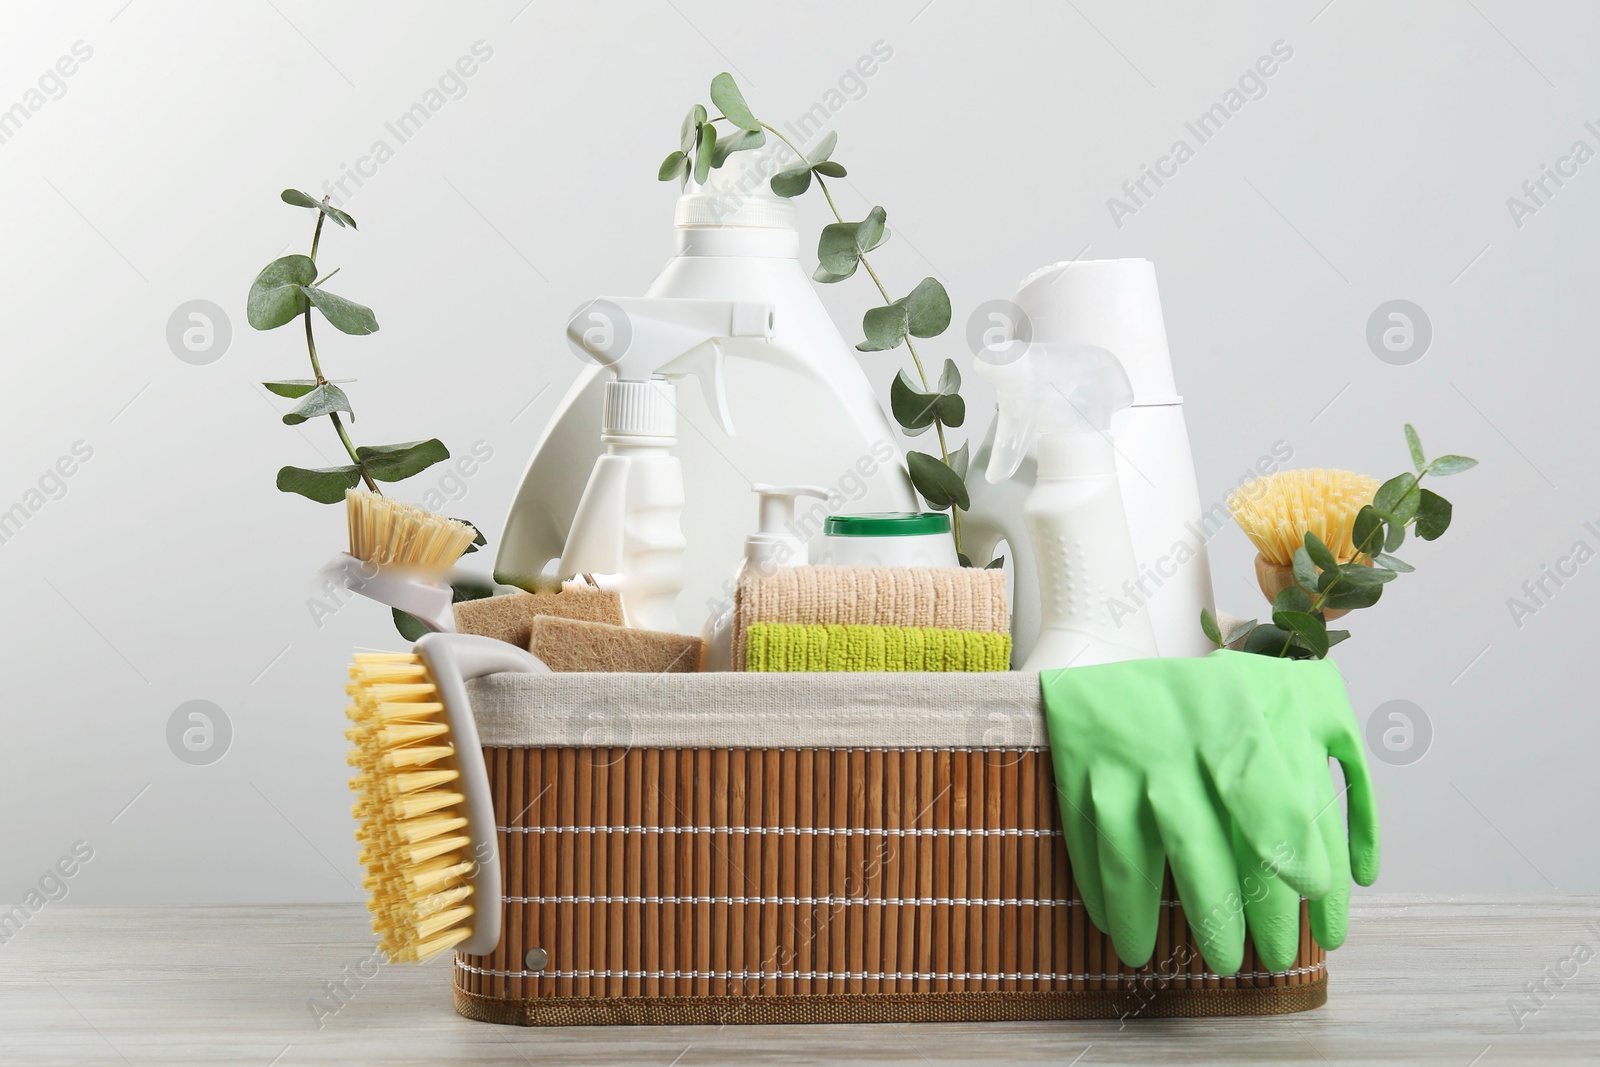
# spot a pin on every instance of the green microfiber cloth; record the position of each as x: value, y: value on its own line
x: 797, y: 647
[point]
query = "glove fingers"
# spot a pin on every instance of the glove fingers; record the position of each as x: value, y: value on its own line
x: 1269, y: 802
x: 1330, y: 915
x: 1131, y: 864
x: 1200, y: 852
x: 1078, y: 830
x: 1345, y: 746
x: 1271, y: 908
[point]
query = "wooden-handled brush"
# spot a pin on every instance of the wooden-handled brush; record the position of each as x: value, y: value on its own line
x: 1276, y: 513
x: 427, y: 830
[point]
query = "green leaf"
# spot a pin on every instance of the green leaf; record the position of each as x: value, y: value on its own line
x: 964, y: 559
x: 928, y: 306
x: 1359, y: 576
x: 1212, y: 631
x: 1337, y: 636
x: 347, y: 316
x: 297, y: 198
x: 737, y: 141
x: 952, y: 409
x: 1393, y: 563
x: 912, y: 409
x: 391, y: 463
x: 827, y: 277
x: 411, y: 628
x: 1291, y: 599
x: 885, y: 328
x: 277, y: 296
x: 325, y: 399
x: 1395, y: 535
x: 960, y: 460
x: 336, y: 215
x: 995, y: 564
x: 1305, y: 571
x: 1306, y: 626
x: 726, y: 95
x: 950, y: 378
x: 937, y: 483
x: 870, y: 231
x: 478, y: 539
x: 1346, y: 597
x: 1399, y: 497
x: 824, y: 148
x: 1367, y: 530
x: 1433, y: 516
x: 1320, y: 554
x: 293, y: 388
x: 673, y: 166
x: 1242, y: 630
x: 689, y: 132
x: 703, y: 153
x: 1445, y: 466
x: 468, y: 588
x: 837, y: 249
x: 1414, y: 443
x: 829, y: 168
x: 325, y: 485
x: 1266, y: 639
x: 791, y: 182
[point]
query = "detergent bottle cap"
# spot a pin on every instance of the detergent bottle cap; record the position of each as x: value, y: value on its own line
x: 737, y: 194
x: 1063, y: 394
x: 776, y: 542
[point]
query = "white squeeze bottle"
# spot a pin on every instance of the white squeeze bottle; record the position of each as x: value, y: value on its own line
x: 805, y: 411
x: 627, y: 523
x: 774, y: 546
x: 1056, y: 401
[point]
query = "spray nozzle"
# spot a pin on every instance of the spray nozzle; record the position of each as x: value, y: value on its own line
x: 642, y: 339
x: 1043, y: 388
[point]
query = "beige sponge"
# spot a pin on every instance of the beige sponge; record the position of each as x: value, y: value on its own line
x: 510, y: 618
x: 579, y: 645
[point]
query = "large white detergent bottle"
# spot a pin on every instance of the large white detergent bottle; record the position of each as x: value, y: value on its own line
x: 805, y: 411
x: 1114, y: 304
x: 627, y: 524
x: 1056, y: 402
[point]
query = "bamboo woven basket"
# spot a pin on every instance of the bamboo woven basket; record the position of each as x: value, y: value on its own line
x: 837, y: 848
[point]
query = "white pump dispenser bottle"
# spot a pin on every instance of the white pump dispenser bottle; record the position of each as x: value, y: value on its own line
x: 627, y: 523
x: 1056, y: 402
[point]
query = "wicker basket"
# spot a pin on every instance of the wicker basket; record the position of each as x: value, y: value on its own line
x: 790, y: 876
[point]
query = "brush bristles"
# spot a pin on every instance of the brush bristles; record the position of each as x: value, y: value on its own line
x: 1276, y: 512
x: 413, y: 847
x: 385, y: 532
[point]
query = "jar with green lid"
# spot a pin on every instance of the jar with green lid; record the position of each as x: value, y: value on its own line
x: 888, y: 539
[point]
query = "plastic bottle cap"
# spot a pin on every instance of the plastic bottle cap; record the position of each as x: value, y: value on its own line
x: 887, y: 524
x: 642, y: 409
x: 737, y: 194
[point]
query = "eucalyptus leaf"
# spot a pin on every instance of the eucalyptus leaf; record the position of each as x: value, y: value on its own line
x: 912, y: 409
x: 324, y: 399
x: 830, y: 169
x: 704, y: 152
x: 928, y: 306
x: 1305, y: 571
x: 297, y: 198
x: 347, y: 316
x: 737, y: 141
x: 995, y: 564
x: 1399, y: 497
x: 885, y: 328
x: 1347, y: 597
x: 277, y: 296
x: 726, y: 95
x: 392, y: 463
x: 1433, y: 516
x: 1337, y: 636
x: 1394, y: 536
x: 674, y: 166
x: 1357, y: 576
x: 1320, y: 554
x: 1209, y: 625
x: 952, y: 409
x: 341, y: 217
x: 791, y: 182
x: 824, y: 149
x: 871, y: 231
x: 1445, y: 466
x: 1307, y: 627
x: 409, y: 626
x: 325, y: 485
x: 960, y: 460
x: 689, y: 132
x: 1393, y: 563
x: 837, y: 248
x: 477, y: 539
x: 1292, y: 598
x: 1242, y: 630
x: 293, y: 388
x: 1367, y: 530
x: 937, y: 483
x: 950, y: 378
x: 1266, y: 639
x: 827, y: 277
x: 1414, y: 443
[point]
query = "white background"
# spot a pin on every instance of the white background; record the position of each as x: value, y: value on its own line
x: 1377, y: 166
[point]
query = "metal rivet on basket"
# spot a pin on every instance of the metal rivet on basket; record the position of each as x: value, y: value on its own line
x: 537, y: 959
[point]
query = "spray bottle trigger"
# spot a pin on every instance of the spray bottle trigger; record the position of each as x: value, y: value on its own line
x: 1016, y: 428
x: 705, y: 362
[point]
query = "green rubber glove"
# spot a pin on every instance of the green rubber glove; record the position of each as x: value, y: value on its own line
x: 1216, y: 767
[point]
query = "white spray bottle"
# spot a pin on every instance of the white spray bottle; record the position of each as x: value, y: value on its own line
x: 1056, y: 402
x: 776, y: 544
x: 627, y: 523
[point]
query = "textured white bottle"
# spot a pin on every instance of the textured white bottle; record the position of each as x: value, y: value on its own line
x: 1079, y: 535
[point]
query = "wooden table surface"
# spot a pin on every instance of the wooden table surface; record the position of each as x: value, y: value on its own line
x: 1423, y: 981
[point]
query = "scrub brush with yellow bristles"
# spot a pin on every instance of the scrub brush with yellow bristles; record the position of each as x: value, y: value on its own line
x: 399, y: 556
x: 427, y: 831
x: 1276, y: 513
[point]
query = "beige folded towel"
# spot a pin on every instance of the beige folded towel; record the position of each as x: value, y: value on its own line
x: 940, y: 598
x: 510, y: 618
